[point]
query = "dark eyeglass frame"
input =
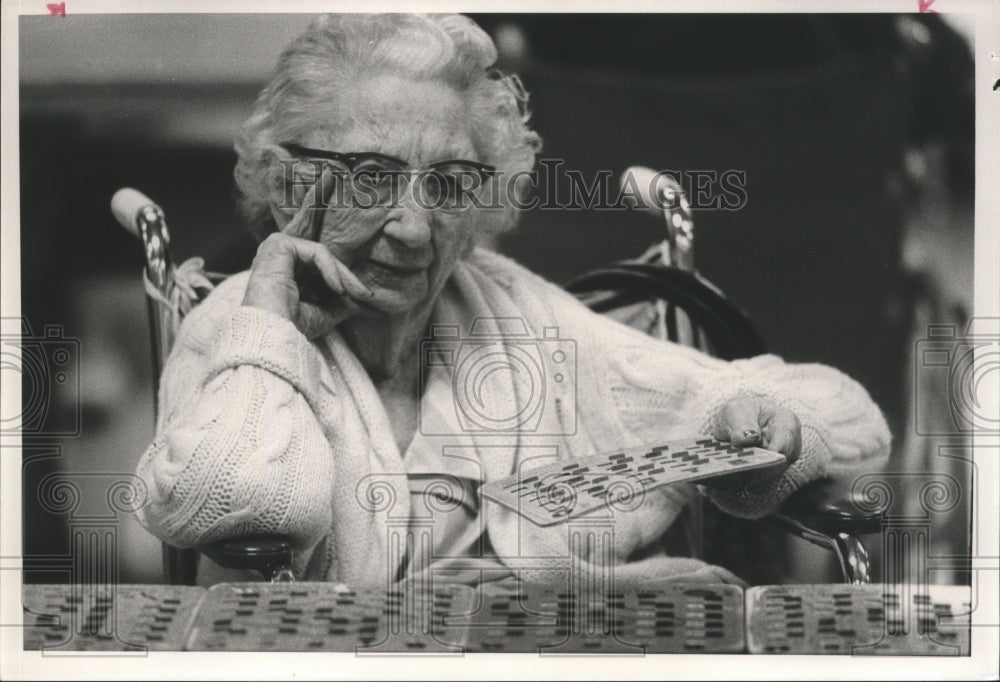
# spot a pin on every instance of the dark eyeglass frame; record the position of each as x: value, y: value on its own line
x: 352, y: 159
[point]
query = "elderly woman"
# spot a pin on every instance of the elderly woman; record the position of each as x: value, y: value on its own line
x: 297, y: 399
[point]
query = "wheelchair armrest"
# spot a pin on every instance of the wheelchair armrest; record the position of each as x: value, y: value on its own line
x: 271, y: 555
x: 827, y: 507
x: 825, y: 514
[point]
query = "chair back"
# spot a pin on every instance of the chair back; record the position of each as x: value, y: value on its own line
x: 654, y: 296
x: 171, y: 293
x: 661, y: 292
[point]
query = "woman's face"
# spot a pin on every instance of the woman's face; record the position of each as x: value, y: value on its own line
x: 405, y: 251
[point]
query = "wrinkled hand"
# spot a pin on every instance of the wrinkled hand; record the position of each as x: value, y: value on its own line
x: 746, y: 422
x: 287, y: 262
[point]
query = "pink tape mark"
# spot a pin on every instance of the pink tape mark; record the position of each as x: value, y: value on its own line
x: 925, y: 6
x: 59, y: 9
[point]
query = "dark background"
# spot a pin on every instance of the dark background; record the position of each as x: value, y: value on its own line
x: 820, y: 112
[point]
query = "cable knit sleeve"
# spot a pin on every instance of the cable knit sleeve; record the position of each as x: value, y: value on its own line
x: 663, y: 390
x: 238, y: 449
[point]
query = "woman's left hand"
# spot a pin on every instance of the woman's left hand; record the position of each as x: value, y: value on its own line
x: 759, y: 422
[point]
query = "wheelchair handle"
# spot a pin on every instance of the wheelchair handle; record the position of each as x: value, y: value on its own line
x: 138, y: 214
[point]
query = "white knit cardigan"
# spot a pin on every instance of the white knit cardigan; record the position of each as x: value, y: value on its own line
x: 261, y: 431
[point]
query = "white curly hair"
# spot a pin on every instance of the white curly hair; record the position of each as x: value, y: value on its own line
x: 332, y: 55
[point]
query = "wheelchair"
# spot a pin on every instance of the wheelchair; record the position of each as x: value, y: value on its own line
x: 659, y: 292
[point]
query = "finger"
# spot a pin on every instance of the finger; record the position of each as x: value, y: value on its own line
x: 308, y: 220
x: 275, y: 257
x: 718, y: 574
x: 782, y: 431
x: 338, y: 276
x: 739, y: 423
x: 299, y: 225
x: 324, y: 190
x: 285, y: 250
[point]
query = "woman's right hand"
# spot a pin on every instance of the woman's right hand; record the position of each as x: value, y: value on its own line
x: 286, y: 261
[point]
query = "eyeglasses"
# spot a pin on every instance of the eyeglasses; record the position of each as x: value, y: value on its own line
x: 371, y: 179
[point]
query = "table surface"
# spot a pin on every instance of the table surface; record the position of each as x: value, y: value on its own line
x: 543, y: 619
